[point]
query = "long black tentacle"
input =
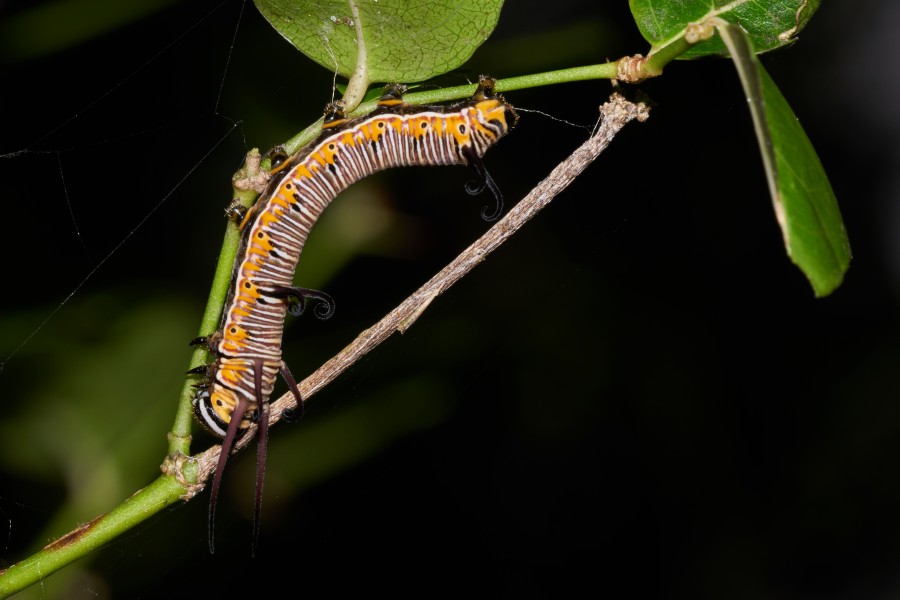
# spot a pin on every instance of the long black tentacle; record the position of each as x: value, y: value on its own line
x: 227, y: 445
x: 295, y: 414
x: 262, y: 439
x: 486, y: 181
x: 299, y: 296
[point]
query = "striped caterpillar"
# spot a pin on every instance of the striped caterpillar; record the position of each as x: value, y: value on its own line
x: 236, y: 386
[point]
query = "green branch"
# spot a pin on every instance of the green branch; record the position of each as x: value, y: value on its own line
x: 247, y: 184
x: 601, y: 71
x: 161, y: 493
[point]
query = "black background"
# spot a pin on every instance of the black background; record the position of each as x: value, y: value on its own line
x: 637, y: 395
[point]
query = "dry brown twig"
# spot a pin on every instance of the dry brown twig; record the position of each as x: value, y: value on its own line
x: 615, y: 114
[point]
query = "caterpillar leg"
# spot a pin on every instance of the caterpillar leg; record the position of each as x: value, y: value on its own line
x: 239, y: 214
x: 485, y: 89
x: 392, y: 95
x: 298, y: 298
x: 278, y: 159
x: 334, y: 115
x: 204, y: 340
x: 209, y: 342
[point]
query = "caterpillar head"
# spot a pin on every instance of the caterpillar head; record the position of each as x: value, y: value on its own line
x: 493, y: 110
x: 213, y: 405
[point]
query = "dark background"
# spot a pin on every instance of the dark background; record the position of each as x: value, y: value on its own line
x: 637, y: 395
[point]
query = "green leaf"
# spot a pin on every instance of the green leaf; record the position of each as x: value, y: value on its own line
x: 804, y: 202
x: 770, y: 23
x: 404, y: 40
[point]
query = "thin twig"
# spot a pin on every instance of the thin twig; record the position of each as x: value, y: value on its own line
x: 615, y: 114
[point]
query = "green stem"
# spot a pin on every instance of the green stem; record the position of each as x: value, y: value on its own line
x: 180, y: 436
x: 148, y: 501
x: 660, y: 58
x: 601, y: 71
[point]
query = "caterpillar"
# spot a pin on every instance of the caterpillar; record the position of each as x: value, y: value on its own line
x: 235, y: 388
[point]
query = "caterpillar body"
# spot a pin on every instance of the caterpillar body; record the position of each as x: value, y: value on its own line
x: 236, y: 386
